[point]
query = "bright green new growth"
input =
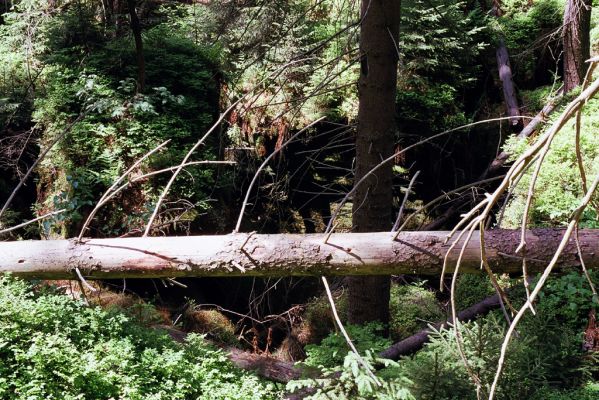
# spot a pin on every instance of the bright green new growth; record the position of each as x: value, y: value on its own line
x: 559, y: 188
x: 53, y: 347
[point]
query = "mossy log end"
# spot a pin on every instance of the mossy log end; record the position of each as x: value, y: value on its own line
x: 285, y: 255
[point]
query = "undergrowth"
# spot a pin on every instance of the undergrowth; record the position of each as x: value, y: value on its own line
x: 53, y: 347
x: 545, y: 359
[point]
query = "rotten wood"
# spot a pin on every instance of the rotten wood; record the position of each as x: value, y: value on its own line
x: 591, y: 334
x: 266, y: 366
x: 284, y: 255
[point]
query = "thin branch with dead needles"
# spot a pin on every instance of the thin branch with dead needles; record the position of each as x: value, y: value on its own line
x: 535, y: 154
x: 533, y: 295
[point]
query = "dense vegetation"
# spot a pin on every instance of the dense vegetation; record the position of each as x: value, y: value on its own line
x: 53, y: 347
x: 74, y: 83
x: 546, y: 351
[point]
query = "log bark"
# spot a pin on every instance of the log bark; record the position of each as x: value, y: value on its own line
x: 283, y: 255
x: 415, y: 342
x: 266, y: 366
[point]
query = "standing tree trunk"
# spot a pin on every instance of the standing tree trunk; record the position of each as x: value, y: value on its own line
x: 576, y: 41
x: 377, y: 87
x: 139, y: 49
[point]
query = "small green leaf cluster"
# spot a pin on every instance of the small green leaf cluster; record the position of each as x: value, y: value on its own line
x: 333, y: 349
x: 570, y: 297
x: 353, y: 381
x: 53, y: 347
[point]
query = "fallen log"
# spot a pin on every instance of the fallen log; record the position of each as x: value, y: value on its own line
x: 284, y: 255
x: 509, y: 89
x: 266, y: 366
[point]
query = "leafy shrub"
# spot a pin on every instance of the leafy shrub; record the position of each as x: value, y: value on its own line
x: 532, y: 361
x: 353, y: 382
x: 470, y: 289
x: 589, y: 391
x: 545, y: 351
x: 570, y: 296
x: 84, y: 83
x: 121, y: 127
x: 529, y: 30
x: 52, y: 347
x: 333, y: 349
x: 437, y: 38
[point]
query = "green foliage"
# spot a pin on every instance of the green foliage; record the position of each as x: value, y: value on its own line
x: 440, y: 37
x: 412, y: 308
x: 318, y: 317
x: 437, y: 38
x: 537, y: 98
x: 570, y: 297
x: 546, y: 350
x: 437, y: 371
x: 530, y: 29
x: 89, y: 90
x: 558, y: 190
x: 52, y: 347
x: 534, y: 359
x: 471, y: 289
x: 352, y: 381
x: 19, y: 66
x: 589, y: 391
x: 333, y: 349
